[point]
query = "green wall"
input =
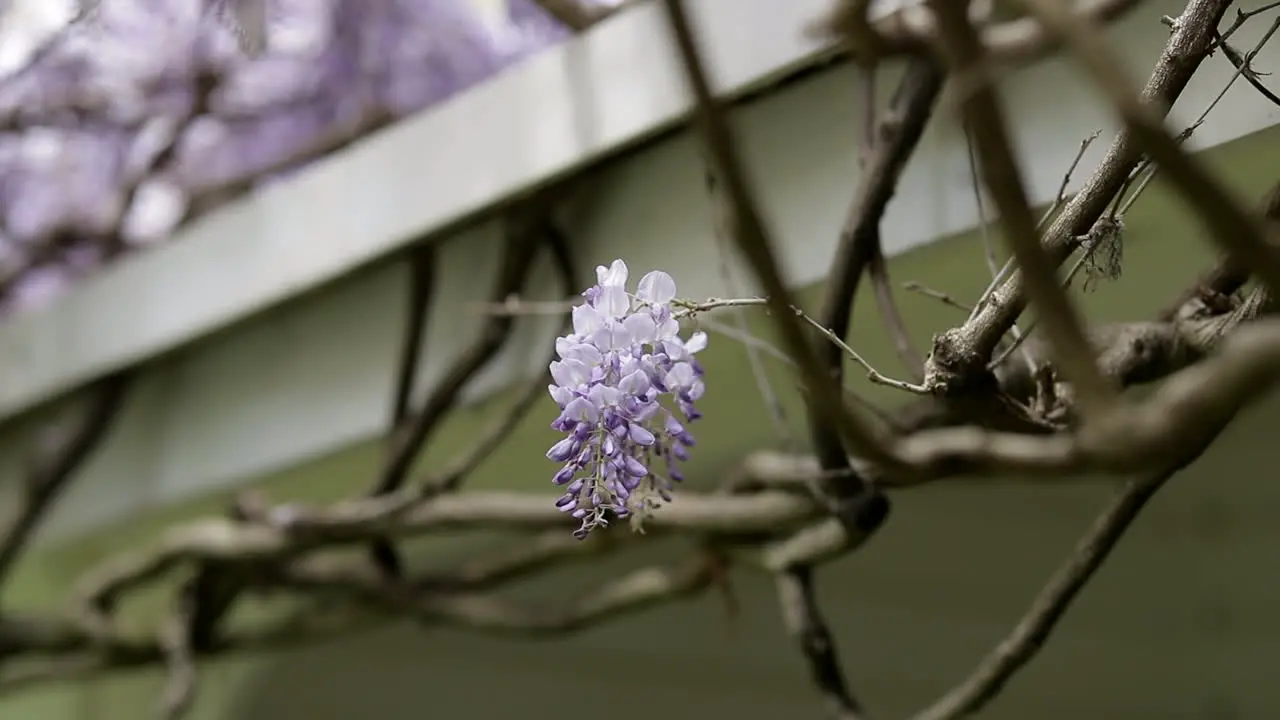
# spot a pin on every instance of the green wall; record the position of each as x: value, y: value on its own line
x: 1178, y: 625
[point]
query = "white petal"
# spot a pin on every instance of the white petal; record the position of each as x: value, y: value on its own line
x: 562, y: 396
x: 611, y: 336
x: 697, y: 342
x: 603, y: 396
x: 570, y: 373
x: 582, y: 410
x: 580, y: 373
x: 586, y: 320
x: 635, y: 384
x: 641, y: 327
x: 564, y: 345
x: 559, y: 373
x: 657, y: 288
x: 613, y: 276
x: 588, y: 354
x: 612, y: 301
x: 680, y: 376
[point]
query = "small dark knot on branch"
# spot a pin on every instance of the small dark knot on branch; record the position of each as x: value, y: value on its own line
x: 863, y: 514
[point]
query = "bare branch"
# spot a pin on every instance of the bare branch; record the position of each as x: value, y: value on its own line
x: 1031, y: 632
x: 896, y: 137
x: 959, y: 355
x: 804, y: 620
x: 422, y: 263
x: 175, y: 644
x: 64, y: 449
x: 1243, y: 62
x: 411, y: 433
x: 907, y: 351
x: 450, y: 479
x: 752, y: 239
x: 1229, y: 223
x: 73, y: 653
x: 517, y: 257
x: 486, y: 612
x: 910, y: 30
x: 1214, y: 288
x: 1000, y: 170
x: 295, y: 530
x: 1197, y: 400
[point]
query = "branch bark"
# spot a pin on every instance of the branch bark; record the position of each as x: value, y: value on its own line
x: 957, y: 362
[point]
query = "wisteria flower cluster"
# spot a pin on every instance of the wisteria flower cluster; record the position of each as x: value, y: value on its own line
x: 626, y: 384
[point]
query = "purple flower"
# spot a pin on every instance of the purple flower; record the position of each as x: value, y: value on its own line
x: 622, y: 444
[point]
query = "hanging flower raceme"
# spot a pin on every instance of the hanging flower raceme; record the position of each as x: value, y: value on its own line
x: 623, y: 444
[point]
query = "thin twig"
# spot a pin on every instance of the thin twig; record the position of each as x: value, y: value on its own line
x: 1003, y: 178
x: 517, y: 257
x: 1239, y: 234
x: 450, y: 479
x: 721, y: 217
x: 1149, y: 170
x: 873, y: 375
x: 1061, y: 195
x: 911, y: 357
x: 1244, y: 16
x: 975, y: 182
x: 890, y: 144
x: 753, y: 240
x: 411, y: 434
x: 938, y: 295
x: 1242, y: 64
x: 961, y: 354
x: 686, y: 309
x: 1090, y: 247
x: 895, y: 138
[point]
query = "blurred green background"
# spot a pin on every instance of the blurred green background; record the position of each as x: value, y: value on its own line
x: 1180, y: 624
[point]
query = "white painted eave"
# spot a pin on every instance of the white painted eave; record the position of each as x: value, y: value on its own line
x: 559, y: 111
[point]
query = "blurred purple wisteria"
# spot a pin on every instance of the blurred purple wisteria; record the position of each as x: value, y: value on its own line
x: 624, y: 356
x: 118, y: 128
